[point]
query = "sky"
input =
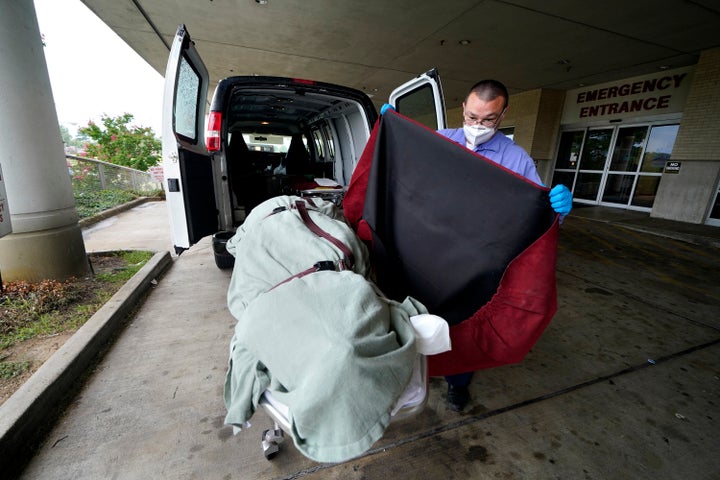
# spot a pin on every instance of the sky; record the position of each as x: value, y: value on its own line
x: 93, y: 71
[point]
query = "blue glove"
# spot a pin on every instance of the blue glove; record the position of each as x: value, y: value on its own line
x: 385, y: 108
x: 561, y: 199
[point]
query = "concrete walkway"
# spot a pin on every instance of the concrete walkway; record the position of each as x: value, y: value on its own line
x: 143, y: 227
x: 624, y: 383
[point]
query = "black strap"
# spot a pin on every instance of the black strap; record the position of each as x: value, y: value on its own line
x: 349, y: 260
x: 346, y: 263
x: 325, y: 265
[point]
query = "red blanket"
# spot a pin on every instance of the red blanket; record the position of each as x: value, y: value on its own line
x: 473, y: 241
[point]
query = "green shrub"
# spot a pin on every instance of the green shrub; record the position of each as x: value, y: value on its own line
x: 89, y: 203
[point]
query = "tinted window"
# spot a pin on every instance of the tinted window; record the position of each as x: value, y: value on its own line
x: 419, y: 105
x: 186, y: 101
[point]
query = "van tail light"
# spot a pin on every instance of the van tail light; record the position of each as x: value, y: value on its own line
x: 303, y: 81
x: 212, y: 137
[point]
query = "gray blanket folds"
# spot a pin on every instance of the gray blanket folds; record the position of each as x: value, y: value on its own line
x: 326, y: 345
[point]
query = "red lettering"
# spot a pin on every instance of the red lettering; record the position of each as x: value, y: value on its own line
x: 636, y: 88
x: 612, y: 108
x: 623, y: 108
x: 584, y: 112
x: 664, y: 82
x: 650, y: 103
x: 624, y: 90
x: 602, y: 94
x: 664, y: 101
x: 636, y: 105
x: 649, y: 85
x: 678, y: 79
x: 581, y: 97
x: 612, y: 92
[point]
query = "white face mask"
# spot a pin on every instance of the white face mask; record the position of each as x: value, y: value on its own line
x: 477, y: 134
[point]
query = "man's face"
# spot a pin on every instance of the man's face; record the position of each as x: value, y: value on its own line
x: 488, y: 113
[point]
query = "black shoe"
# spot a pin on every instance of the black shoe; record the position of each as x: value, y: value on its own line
x: 457, y: 397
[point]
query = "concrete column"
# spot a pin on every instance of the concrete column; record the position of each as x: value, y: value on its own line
x: 46, y: 242
x: 687, y: 196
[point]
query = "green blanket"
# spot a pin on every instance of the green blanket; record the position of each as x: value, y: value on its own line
x: 326, y: 345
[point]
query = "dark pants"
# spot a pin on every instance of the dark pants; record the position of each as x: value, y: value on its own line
x: 459, y: 379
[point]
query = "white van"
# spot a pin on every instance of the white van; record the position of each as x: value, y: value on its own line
x: 306, y: 139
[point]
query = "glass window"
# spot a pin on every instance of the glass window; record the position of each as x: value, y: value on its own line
x: 628, y: 149
x: 319, y: 144
x: 659, y: 147
x: 330, y: 142
x: 419, y: 105
x: 714, y: 217
x: 508, y: 132
x: 618, y: 188
x: 587, y: 186
x: 186, y: 101
x: 646, y: 190
x: 565, y: 178
x: 569, y: 150
x: 596, y: 149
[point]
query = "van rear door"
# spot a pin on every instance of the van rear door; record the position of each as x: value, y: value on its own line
x: 422, y: 100
x: 187, y: 165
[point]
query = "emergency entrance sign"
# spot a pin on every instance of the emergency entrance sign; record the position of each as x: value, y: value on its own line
x: 5, y: 226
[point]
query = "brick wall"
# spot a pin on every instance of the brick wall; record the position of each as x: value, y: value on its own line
x: 687, y: 195
x: 699, y: 134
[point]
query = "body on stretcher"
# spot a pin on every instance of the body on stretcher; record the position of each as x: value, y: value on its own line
x: 432, y: 337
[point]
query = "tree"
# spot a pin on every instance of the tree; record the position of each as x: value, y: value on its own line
x: 68, y: 139
x: 117, y: 142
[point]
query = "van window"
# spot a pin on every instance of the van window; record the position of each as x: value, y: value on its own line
x: 420, y: 106
x: 270, y: 143
x: 186, y: 101
x: 330, y: 142
x: 319, y: 143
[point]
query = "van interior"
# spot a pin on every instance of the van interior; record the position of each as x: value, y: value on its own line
x: 283, y: 140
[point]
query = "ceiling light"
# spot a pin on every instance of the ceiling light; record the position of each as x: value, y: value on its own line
x: 464, y: 42
x: 261, y: 2
x: 663, y: 67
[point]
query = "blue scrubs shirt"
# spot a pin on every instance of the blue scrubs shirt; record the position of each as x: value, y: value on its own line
x: 500, y: 150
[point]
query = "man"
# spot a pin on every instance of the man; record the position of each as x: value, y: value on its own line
x: 483, y: 110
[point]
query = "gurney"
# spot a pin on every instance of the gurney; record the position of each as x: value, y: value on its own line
x: 411, y: 402
x: 321, y: 349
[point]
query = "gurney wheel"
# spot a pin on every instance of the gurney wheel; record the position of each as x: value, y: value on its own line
x: 271, y: 440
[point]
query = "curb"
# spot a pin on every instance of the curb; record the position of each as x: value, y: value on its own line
x: 34, y: 404
x: 105, y: 214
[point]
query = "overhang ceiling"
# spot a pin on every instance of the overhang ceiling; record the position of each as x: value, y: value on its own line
x: 374, y: 45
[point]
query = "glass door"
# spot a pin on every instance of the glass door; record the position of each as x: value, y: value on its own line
x: 568, y: 158
x: 622, y: 173
x: 615, y: 166
x: 592, y: 165
x: 657, y: 152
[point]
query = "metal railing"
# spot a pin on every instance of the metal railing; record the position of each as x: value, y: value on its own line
x: 89, y: 174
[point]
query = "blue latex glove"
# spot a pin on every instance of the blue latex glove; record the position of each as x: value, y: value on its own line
x: 385, y: 108
x: 561, y: 199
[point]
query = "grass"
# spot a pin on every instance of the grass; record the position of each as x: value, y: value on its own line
x: 47, y: 308
x: 89, y: 203
x: 13, y: 369
x: 29, y: 310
